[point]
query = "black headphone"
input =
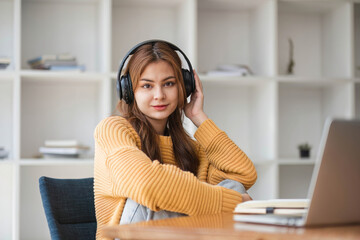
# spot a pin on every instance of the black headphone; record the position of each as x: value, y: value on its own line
x: 124, y: 84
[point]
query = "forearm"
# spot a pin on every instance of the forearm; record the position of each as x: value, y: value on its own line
x: 227, y: 160
x: 166, y: 187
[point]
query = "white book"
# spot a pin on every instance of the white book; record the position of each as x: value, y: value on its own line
x: 62, y: 143
x: 284, y: 203
x: 276, y: 211
x: 59, y: 150
x: 219, y: 73
x: 60, y: 156
x: 5, y: 60
x: 274, y: 206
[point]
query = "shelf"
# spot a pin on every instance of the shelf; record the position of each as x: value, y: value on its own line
x: 314, y: 81
x: 6, y: 161
x: 266, y: 185
x: 324, y: 37
x: 297, y: 161
x: 263, y: 162
x: 236, y: 32
x: 7, y: 31
x: 77, y: 31
x: 303, y: 110
x: 246, y: 113
x: 235, y: 80
x: 43, y: 75
x: 6, y: 120
x: 357, y: 38
x: 357, y: 100
x: 166, y: 20
x: 294, y: 180
x: 6, y: 75
x: 6, y: 199
x: 56, y: 162
x: 71, y: 111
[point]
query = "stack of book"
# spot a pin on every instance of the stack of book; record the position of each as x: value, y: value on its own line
x: 56, y: 62
x: 4, y: 62
x: 3, y: 153
x: 62, y: 149
x: 231, y: 70
x: 293, y: 207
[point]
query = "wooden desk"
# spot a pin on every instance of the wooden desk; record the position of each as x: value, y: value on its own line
x: 222, y: 226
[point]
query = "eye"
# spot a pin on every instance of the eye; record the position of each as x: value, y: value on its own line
x: 169, y: 84
x: 146, y: 86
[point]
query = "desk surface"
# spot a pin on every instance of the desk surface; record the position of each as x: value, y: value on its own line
x: 222, y: 226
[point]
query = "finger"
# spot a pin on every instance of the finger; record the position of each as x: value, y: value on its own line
x: 197, y: 81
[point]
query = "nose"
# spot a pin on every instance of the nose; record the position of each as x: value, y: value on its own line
x: 159, y: 93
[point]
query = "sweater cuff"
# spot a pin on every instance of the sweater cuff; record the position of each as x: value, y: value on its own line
x: 206, y: 133
x: 230, y: 198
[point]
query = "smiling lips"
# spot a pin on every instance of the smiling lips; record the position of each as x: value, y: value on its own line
x: 160, y: 107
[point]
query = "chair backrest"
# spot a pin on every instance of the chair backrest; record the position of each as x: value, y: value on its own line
x: 69, y: 207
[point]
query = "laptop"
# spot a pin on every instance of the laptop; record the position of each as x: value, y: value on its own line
x: 334, y: 191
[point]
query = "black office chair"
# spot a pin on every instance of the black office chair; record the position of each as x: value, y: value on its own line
x: 69, y: 207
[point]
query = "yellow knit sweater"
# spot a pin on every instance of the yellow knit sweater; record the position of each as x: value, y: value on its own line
x: 122, y: 171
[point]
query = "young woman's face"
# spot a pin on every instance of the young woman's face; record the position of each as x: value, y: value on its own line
x: 157, y: 92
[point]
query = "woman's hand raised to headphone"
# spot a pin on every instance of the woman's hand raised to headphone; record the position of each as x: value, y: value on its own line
x: 194, y: 110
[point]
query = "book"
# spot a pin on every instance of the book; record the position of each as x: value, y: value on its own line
x: 3, y: 153
x: 60, y: 156
x: 52, y: 57
x: 274, y: 206
x: 76, y: 68
x: 49, y: 63
x: 230, y: 70
x: 3, y: 66
x: 62, y: 150
x: 4, y: 62
x: 46, y: 61
x: 275, y: 211
x: 61, y: 143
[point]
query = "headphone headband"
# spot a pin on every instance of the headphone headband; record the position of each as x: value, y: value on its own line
x: 153, y: 41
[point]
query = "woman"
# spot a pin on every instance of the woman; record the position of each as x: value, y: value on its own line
x: 147, y: 167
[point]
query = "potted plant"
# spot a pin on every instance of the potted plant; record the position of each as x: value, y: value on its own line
x: 304, y: 149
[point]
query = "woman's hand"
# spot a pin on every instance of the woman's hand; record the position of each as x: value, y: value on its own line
x: 246, y: 197
x: 194, y: 109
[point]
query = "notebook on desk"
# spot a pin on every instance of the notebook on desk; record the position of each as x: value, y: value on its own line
x: 334, y: 194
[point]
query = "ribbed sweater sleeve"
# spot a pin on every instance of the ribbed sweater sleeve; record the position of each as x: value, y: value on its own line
x: 227, y: 160
x: 157, y: 186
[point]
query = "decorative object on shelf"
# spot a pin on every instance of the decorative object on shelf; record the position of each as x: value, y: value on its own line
x: 290, y: 68
x: 56, y: 62
x: 63, y: 149
x: 3, y: 153
x: 304, y: 149
x: 231, y: 70
x: 4, y: 62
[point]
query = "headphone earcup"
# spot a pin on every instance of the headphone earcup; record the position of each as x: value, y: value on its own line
x: 126, y: 89
x: 189, y: 81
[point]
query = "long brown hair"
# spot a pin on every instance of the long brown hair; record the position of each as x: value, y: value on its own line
x: 183, y: 146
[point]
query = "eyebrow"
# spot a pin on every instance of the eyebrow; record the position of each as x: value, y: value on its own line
x: 148, y: 80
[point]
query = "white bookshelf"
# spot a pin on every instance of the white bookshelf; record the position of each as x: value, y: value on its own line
x: 357, y: 38
x: 267, y: 114
x: 357, y: 100
x: 236, y: 32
